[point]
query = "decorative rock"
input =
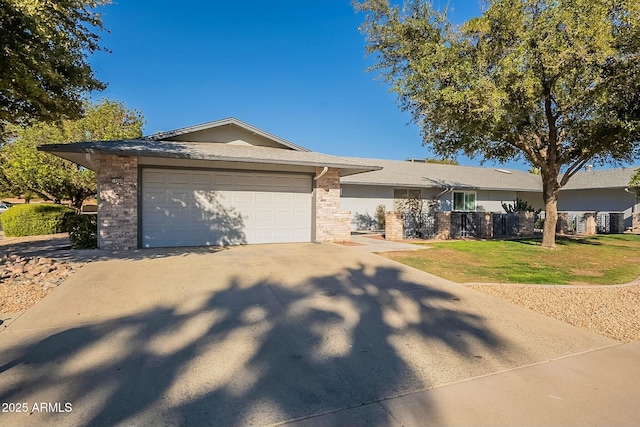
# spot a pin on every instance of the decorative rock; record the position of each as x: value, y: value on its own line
x: 25, y: 280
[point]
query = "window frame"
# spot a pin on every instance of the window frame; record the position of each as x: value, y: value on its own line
x: 465, y: 200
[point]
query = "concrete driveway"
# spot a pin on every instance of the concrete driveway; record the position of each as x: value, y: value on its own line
x: 259, y: 335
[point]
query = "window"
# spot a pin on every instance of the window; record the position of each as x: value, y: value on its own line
x: 464, y: 201
x: 404, y: 194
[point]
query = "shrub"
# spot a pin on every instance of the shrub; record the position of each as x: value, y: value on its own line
x: 380, y: 216
x: 35, y: 219
x: 83, y: 231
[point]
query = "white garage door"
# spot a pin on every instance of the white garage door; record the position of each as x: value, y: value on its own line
x: 203, y: 208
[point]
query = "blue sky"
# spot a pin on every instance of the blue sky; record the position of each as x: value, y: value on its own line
x: 295, y: 68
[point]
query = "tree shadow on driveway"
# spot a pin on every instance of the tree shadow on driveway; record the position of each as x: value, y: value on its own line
x: 254, y: 353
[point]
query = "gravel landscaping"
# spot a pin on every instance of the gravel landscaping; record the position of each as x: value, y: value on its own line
x: 26, y: 276
x: 612, y: 311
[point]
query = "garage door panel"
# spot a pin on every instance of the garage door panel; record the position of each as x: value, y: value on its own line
x: 300, y: 183
x: 202, y: 179
x: 221, y: 179
x: 155, y: 177
x: 195, y: 207
x: 262, y: 199
x: 264, y: 216
x: 243, y: 180
x: 245, y: 198
x: 178, y: 178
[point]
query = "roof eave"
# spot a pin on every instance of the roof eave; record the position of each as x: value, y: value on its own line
x: 75, y: 154
x: 451, y: 185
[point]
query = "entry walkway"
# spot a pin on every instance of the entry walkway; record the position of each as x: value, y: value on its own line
x: 367, y: 242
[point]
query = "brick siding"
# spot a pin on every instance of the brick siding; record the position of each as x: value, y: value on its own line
x: 331, y: 225
x: 118, y: 203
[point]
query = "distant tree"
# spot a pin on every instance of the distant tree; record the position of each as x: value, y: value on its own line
x: 635, y: 180
x: 552, y: 82
x: 534, y: 170
x: 25, y: 170
x: 442, y: 161
x: 44, y: 72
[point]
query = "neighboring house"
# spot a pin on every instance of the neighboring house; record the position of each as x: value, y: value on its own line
x: 480, y: 189
x: 219, y: 183
x: 601, y: 191
x: 227, y: 182
x: 453, y: 188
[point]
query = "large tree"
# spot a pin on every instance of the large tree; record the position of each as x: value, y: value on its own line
x: 553, y: 82
x: 25, y: 170
x: 44, y: 45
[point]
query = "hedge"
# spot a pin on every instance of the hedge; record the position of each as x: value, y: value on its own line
x: 35, y: 219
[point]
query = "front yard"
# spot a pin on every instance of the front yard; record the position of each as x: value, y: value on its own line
x: 612, y: 311
x: 594, y: 260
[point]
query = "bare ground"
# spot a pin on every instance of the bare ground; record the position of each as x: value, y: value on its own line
x: 611, y: 311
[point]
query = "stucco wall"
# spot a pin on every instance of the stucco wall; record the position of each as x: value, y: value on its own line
x: 362, y: 201
x: 601, y: 200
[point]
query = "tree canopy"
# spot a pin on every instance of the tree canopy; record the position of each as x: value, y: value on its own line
x: 44, y: 72
x: 24, y: 170
x: 441, y: 161
x: 553, y: 82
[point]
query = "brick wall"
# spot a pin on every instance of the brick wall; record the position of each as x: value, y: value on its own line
x: 331, y: 225
x: 393, y: 226
x: 118, y: 203
x: 636, y: 223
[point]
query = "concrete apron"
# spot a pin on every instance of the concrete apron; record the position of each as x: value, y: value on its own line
x: 258, y: 335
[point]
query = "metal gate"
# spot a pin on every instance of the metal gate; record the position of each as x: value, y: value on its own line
x: 419, y: 226
x: 603, y: 223
x: 505, y: 225
x: 464, y: 224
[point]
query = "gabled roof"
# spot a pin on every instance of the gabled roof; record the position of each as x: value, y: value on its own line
x: 606, y: 178
x: 231, y: 121
x: 398, y: 173
x: 86, y: 154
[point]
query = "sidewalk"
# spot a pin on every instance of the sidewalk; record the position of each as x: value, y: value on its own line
x: 597, y: 388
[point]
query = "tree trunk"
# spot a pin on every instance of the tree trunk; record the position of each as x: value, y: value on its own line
x: 550, y: 221
x: 550, y: 190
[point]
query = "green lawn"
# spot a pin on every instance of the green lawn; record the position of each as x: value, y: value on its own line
x: 604, y: 259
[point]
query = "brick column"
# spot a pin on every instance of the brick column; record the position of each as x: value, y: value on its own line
x: 526, y: 221
x: 329, y: 221
x: 118, y: 203
x: 485, y: 225
x: 443, y: 221
x: 636, y: 223
x: 342, y: 227
x: 590, y: 218
x: 393, y: 226
x: 562, y: 226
